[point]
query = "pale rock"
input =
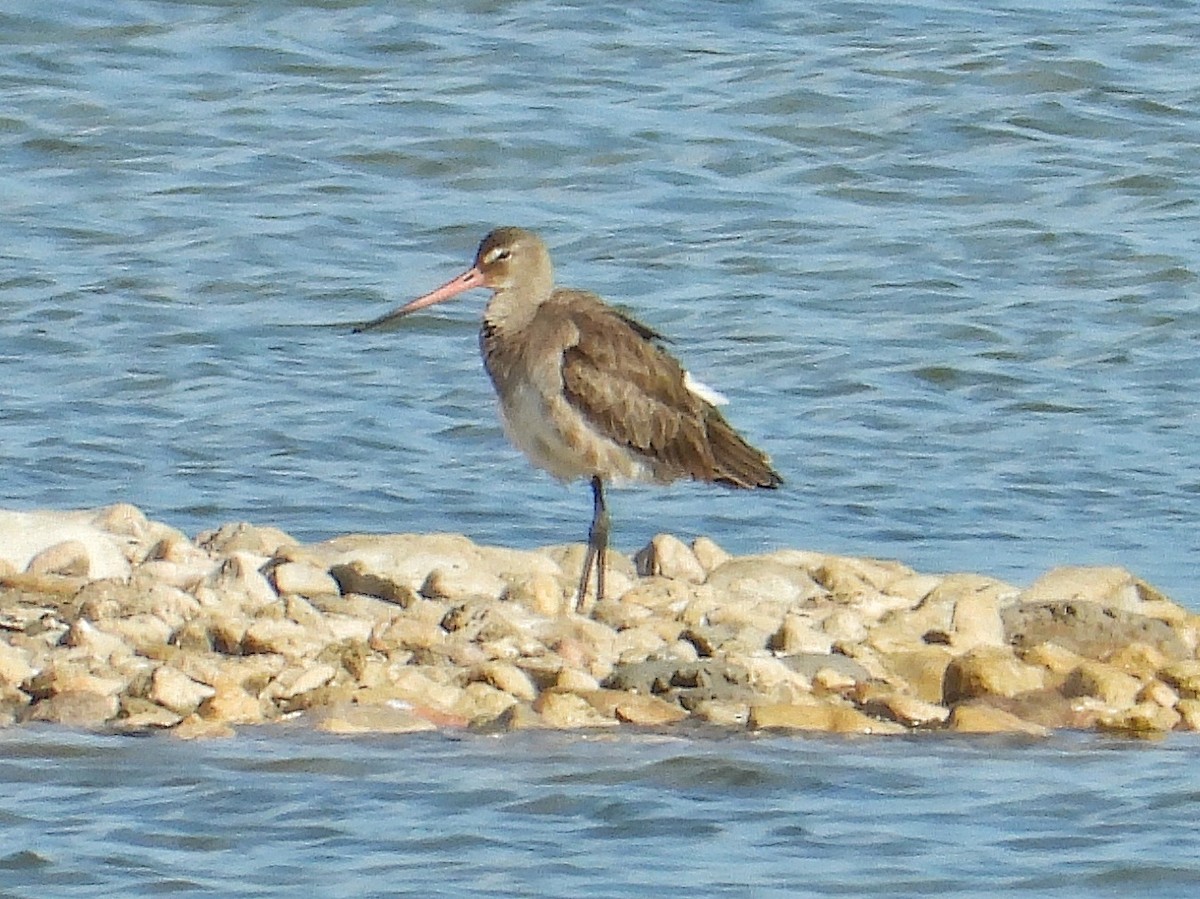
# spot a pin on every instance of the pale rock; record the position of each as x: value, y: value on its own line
x: 1054, y: 658
x: 709, y: 554
x: 141, y: 633
x: 142, y: 715
x: 1184, y: 676
x: 194, y: 727
x: 572, y: 680
x: 1108, y: 684
x: 346, y: 628
x: 509, y: 678
x: 634, y: 708
x: 76, y: 708
x: 922, y: 669
x: 282, y: 636
x: 1139, y: 659
x: 482, y: 702
x: 174, y: 690
x: 569, y: 711
x: 297, y: 680
x: 15, y: 665
x: 1106, y: 585
x: 830, y: 680
x: 68, y: 558
x: 816, y: 716
x: 457, y: 584
x: 1143, y: 719
x: 914, y: 588
x: 71, y: 676
x: 722, y: 712
x: 979, y: 718
x: 989, y: 671
x: 798, y: 634
x: 357, y: 578
x: 231, y: 704
x: 976, y: 622
x: 1189, y: 711
x: 242, y: 537
x: 100, y: 645
x: 636, y: 643
x: 907, y: 710
x: 541, y: 593
x: 1158, y: 692
x: 302, y: 579
x: 25, y: 534
x: 846, y: 626
x: 752, y: 579
x: 773, y: 677
x: 668, y: 556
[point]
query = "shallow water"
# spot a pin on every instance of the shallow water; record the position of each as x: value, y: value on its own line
x: 943, y: 260
x: 606, y: 816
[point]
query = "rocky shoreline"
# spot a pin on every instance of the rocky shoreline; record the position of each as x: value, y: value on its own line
x: 112, y: 621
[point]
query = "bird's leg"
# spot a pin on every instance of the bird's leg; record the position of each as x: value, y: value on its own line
x: 597, y: 545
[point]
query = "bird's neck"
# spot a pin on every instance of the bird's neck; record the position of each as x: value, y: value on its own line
x: 510, y: 311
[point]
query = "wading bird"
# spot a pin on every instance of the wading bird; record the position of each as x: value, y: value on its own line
x: 587, y: 392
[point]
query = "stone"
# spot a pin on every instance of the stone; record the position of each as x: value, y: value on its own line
x: 15, y: 665
x: 799, y: 635
x: 1088, y: 628
x: 509, y: 678
x: 23, y: 535
x: 75, y: 708
x: 1106, y: 585
x: 282, y: 636
x: 1184, y: 676
x: 668, y: 556
x: 1189, y: 711
x: 979, y: 718
x: 922, y: 669
x: 752, y: 579
x: 906, y: 710
x: 708, y: 553
x: 480, y: 702
x: 568, y: 711
x: 303, y: 579
x: 174, y: 690
x: 241, y: 536
x: 1143, y: 719
x: 976, y: 622
x: 817, y: 717
x: 68, y: 558
x: 989, y: 671
x: 1107, y: 683
x: 231, y: 704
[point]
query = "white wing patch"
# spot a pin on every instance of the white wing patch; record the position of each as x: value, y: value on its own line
x: 702, y: 390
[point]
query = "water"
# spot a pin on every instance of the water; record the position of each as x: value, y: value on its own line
x: 942, y: 258
x: 608, y: 816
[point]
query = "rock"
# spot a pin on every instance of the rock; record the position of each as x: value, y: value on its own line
x: 906, y: 710
x: 1090, y: 629
x: 753, y: 579
x: 231, y: 704
x: 1189, y: 711
x: 1184, y: 676
x: 509, y: 678
x: 567, y: 711
x: 1108, y: 586
x: 15, y: 665
x: 798, y: 635
x: 708, y: 554
x: 989, y: 671
x: 242, y: 537
x: 303, y: 579
x: 922, y: 669
x: 976, y: 622
x: 75, y: 708
x: 174, y: 690
x: 75, y: 537
x: 979, y: 718
x: 1143, y: 719
x: 1107, y: 683
x: 817, y: 717
x: 287, y: 638
x: 669, y: 557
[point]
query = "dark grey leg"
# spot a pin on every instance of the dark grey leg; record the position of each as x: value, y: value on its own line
x: 597, y: 545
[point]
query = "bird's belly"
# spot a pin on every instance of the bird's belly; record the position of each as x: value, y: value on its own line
x: 557, y: 438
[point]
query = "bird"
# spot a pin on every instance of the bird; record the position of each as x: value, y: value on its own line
x: 587, y: 392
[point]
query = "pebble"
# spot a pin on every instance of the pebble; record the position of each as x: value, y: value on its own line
x: 109, y: 620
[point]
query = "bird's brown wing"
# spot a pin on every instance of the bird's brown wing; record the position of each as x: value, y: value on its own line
x: 634, y: 392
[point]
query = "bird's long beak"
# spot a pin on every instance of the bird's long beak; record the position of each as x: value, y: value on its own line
x: 472, y: 277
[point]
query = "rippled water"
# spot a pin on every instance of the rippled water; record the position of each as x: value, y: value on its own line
x: 556, y: 815
x: 943, y: 259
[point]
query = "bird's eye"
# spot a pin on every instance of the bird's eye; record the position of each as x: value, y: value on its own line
x: 501, y: 254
